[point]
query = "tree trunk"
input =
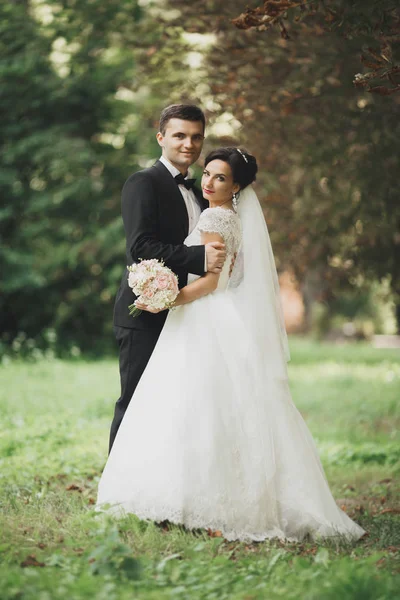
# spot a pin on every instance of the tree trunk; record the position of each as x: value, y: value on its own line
x: 397, y: 315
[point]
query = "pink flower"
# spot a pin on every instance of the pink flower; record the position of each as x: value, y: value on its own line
x: 148, y: 293
x: 162, y: 281
x: 172, y: 283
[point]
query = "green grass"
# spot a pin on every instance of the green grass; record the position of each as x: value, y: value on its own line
x: 54, y: 419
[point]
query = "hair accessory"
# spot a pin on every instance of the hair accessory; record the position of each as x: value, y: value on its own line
x: 245, y: 157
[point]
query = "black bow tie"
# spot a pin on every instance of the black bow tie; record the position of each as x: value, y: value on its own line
x: 188, y: 183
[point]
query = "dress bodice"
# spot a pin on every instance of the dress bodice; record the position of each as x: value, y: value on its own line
x: 227, y: 224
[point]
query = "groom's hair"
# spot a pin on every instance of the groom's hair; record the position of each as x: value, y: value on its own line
x: 186, y: 112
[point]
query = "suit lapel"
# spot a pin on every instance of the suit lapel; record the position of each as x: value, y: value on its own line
x: 174, y: 196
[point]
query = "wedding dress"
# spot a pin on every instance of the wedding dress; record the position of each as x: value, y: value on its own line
x: 211, y: 438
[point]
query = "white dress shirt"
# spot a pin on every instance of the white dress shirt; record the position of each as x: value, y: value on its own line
x: 192, y: 206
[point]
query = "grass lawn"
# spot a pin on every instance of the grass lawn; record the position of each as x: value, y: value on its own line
x: 54, y: 421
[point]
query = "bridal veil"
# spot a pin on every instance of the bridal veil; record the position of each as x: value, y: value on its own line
x: 254, y: 288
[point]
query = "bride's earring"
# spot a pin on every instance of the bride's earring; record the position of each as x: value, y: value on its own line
x: 235, y: 201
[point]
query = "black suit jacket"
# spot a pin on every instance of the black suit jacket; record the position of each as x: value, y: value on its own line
x: 156, y: 223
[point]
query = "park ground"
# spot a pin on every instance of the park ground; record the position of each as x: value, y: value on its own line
x: 54, y: 424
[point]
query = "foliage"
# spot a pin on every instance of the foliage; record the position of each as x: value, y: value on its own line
x: 68, y: 143
x: 51, y: 449
x: 326, y: 151
x: 82, y: 85
x: 379, y: 21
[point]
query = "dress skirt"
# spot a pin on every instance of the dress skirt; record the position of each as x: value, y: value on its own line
x: 212, y: 439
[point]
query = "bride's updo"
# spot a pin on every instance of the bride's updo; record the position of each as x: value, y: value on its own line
x: 243, y: 165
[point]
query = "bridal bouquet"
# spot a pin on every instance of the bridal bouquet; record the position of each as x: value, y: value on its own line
x: 154, y: 284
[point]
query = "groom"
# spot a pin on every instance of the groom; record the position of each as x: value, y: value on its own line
x: 160, y: 207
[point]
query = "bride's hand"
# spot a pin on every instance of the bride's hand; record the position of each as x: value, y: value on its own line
x: 148, y: 309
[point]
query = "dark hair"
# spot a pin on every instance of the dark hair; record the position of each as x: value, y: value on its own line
x: 243, y: 165
x: 186, y: 112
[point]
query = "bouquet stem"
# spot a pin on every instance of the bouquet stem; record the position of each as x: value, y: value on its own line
x: 134, y: 311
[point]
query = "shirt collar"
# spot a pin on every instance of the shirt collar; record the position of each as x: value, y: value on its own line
x: 173, y: 170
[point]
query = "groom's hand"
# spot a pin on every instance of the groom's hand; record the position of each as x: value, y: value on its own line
x: 216, y: 255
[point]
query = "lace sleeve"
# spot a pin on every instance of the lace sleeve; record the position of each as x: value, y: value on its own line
x: 224, y: 222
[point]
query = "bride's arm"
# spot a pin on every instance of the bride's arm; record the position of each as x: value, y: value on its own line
x: 204, y: 285
x: 198, y: 288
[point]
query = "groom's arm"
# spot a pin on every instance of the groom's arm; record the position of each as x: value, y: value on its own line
x: 140, y: 218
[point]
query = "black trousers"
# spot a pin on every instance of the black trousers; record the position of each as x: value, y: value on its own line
x: 135, y: 348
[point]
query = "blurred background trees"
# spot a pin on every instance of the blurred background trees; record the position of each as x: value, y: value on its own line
x: 82, y: 86
x: 69, y: 139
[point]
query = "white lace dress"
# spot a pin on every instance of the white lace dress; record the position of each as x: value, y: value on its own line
x: 197, y: 447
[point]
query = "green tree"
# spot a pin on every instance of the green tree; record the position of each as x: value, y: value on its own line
x: 67, y: 144
x: 82, y: 86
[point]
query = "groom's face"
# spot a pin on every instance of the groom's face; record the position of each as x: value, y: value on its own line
x: 182, y: 142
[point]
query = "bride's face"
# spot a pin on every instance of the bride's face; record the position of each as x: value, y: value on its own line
x: 217, y: 183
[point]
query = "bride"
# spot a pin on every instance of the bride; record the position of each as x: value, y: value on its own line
x: 211, y: 438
